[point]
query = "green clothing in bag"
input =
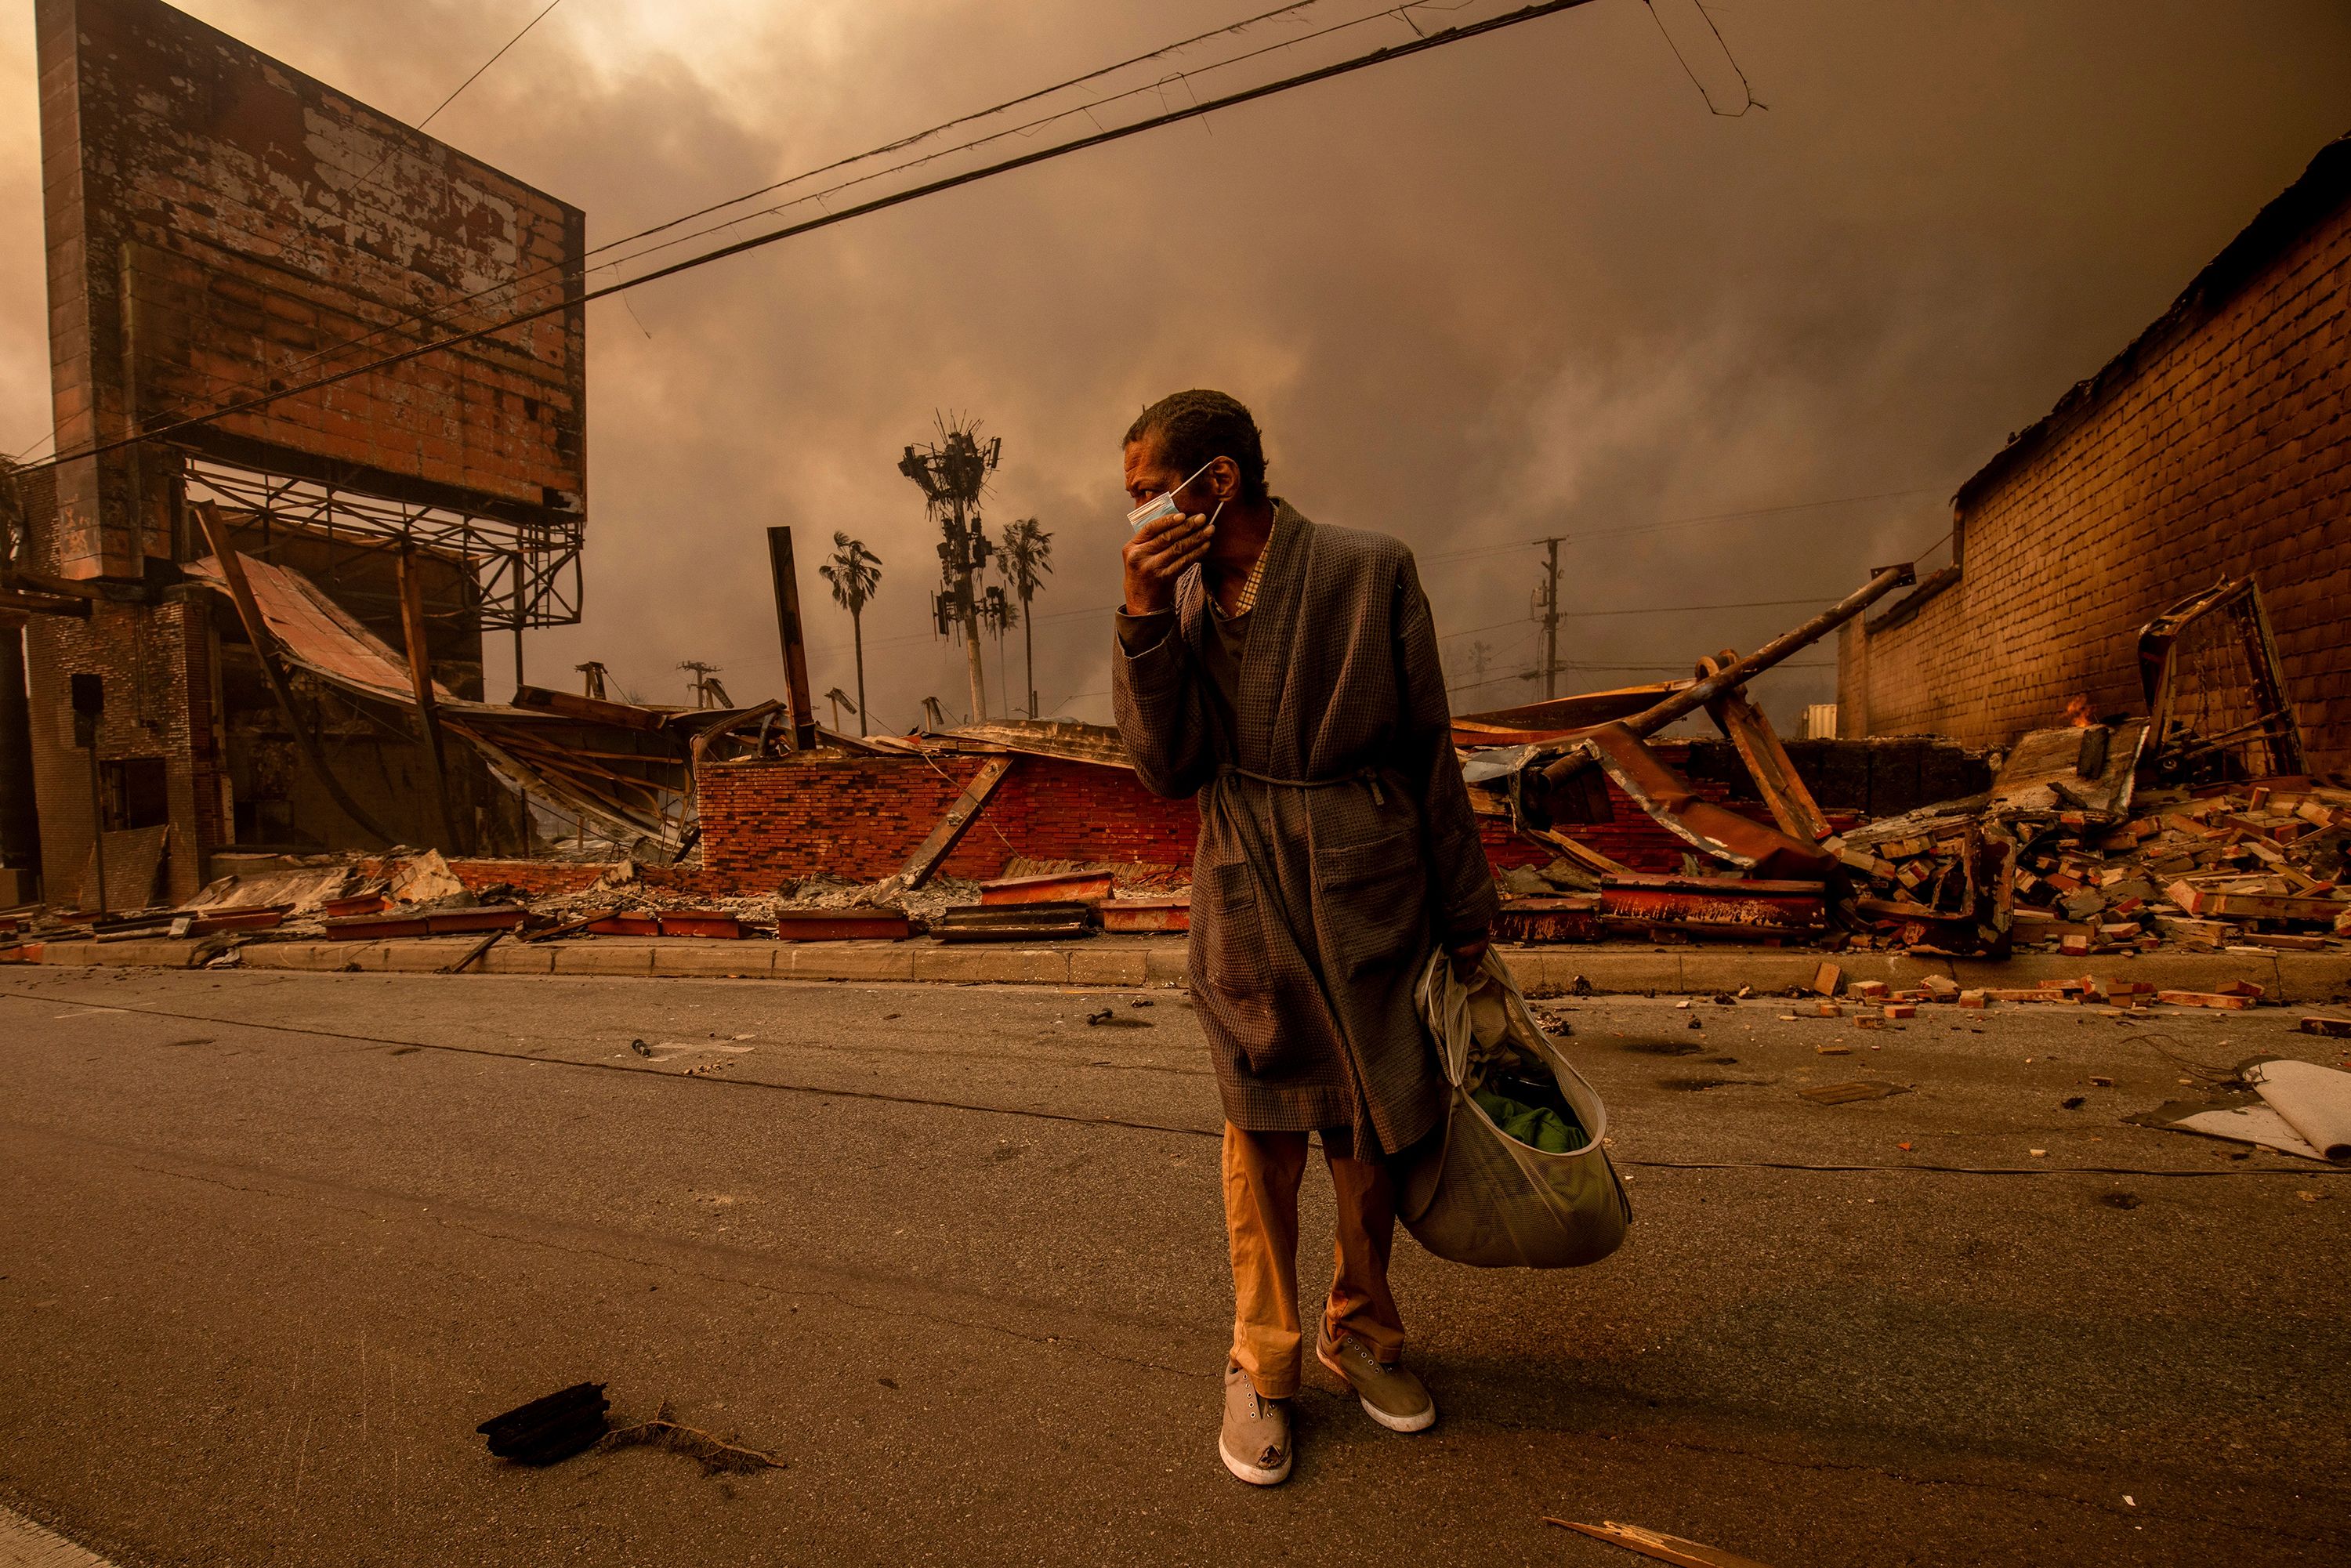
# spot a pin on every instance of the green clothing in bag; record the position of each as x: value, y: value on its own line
x: 1536, y: 1126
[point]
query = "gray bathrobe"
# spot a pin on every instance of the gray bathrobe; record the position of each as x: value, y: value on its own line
x: 1337, y: 844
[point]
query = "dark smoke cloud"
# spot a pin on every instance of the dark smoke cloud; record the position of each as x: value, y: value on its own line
x: 1523, y: 287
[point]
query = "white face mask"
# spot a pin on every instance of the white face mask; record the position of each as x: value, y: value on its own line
x: 1164, y: 507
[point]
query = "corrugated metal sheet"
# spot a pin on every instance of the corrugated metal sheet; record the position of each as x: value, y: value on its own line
x: 318, y: 633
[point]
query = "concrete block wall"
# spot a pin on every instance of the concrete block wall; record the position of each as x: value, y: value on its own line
x: 2219, y: 445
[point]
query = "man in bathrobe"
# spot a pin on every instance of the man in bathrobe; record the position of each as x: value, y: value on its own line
x: 1286, y: 673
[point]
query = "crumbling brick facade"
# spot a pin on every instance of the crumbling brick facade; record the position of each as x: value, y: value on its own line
x: 220, y: 226
x: 159, y: 685
x: 2219, y: 445
x: 858, y: 817
x: 216, y: 220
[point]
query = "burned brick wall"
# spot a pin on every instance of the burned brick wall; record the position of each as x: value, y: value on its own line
x: 2219, y: 445
x: 858, y: 817
x: 159, y: 688
x: 218, y: 224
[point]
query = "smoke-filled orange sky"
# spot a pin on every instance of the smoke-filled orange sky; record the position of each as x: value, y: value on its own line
x: 1526, y: 284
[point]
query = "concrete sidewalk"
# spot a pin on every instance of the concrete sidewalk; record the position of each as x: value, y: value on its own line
x: 2300, y: 978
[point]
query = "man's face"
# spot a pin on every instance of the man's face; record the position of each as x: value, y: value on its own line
x: 1150, y: 475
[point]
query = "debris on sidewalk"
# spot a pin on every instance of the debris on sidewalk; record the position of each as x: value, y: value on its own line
x: 1013, y: 921
x: 1656, y: 1544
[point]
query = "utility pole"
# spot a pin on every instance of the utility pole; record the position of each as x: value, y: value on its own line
x: 1546, y: 606
x: 951, y: 474
x: 707, y: 691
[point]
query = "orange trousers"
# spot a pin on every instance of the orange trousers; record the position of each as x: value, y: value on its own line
x: 1261, y: 1175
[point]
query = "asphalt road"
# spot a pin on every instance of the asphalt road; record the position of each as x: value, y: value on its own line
x: 271, y: 1244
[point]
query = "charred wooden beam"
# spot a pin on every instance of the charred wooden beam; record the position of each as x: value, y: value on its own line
x: 1768, y: 763
x: 420, y: 681
x: 1885, y: 581
x: 32, y: 601
x: 795, y: 639
x: 925, y: 861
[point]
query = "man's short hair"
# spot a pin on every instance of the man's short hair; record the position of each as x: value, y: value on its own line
x: 1195, y: 428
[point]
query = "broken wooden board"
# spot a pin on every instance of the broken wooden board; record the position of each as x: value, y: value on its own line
x: 1054, y: 887
x: 1146, y: 914
x: 1558, y: 716
x: 925, y: 861
x: 1847, y: 1093
x: 1575, y: 851
x: 2269, y: 906
x: 854, y: 924
x: 2044, y: 772
x: 1656, y: 1544
x: 1012, y: 922
x: 1775, y: 777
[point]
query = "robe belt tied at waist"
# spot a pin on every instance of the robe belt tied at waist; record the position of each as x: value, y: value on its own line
x: 1367, y: 777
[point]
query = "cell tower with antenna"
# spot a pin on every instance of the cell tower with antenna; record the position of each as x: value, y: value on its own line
x: 951, y: 472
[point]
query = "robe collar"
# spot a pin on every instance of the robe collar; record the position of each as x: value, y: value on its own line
x: 1266, y: 662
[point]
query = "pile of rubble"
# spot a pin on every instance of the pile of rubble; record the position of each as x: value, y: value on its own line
x: 2257, y: 865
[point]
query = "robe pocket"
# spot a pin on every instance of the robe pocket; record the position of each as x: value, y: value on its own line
x: 1373, y: 900
x: 1272, y: 1020
x: 1231, y: 939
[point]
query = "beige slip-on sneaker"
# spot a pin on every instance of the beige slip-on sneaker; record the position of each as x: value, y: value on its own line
x: 1391, y: 1395
x: 1255, y: 1442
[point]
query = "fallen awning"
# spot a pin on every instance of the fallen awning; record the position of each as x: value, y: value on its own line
x: 317, y: 634
x: 595, y: 767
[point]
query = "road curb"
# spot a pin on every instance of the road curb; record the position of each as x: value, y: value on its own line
x: 1132, y: 961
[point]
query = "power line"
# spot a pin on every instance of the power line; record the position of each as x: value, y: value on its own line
x: 485, y: 66
x: 1695, y: 521
x: 427, y: 317
x: 1194, y: 110
x: 1651, y: 610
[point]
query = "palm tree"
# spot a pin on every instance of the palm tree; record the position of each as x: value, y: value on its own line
x: 855, y: 573
x: 1027, y: 558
